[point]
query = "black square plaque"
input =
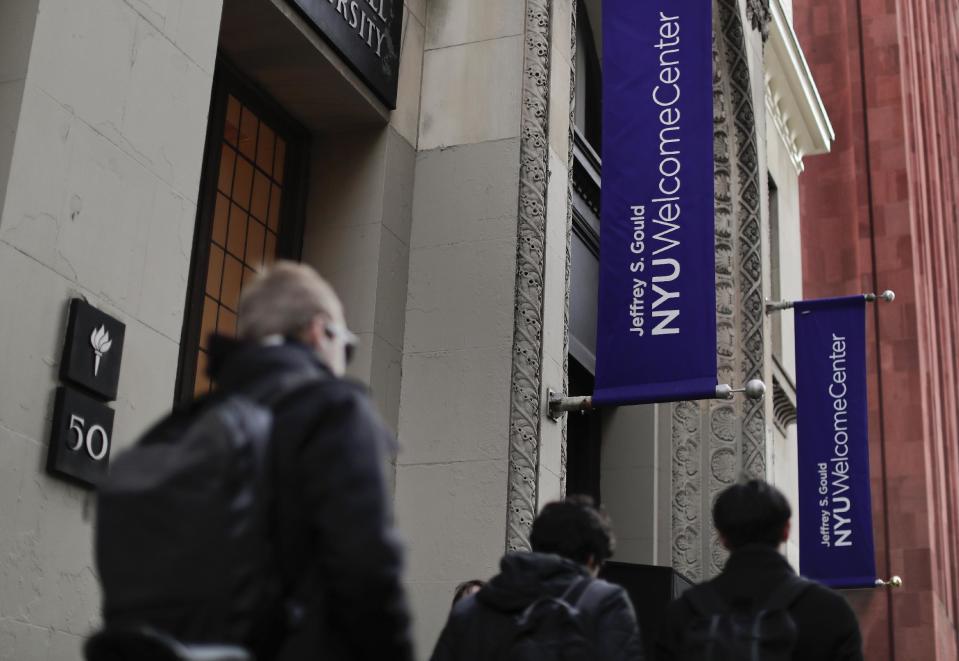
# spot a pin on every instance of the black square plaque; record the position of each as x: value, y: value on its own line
x: 92, y: 351
x: 81, y: 437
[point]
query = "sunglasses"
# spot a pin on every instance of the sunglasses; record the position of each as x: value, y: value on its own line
x: 336, y: 331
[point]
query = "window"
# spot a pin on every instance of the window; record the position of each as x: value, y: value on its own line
x: 583, y: 439
x: 775, y: 275
x: 584, y: 431
x: 589, y: 75
x: 250, y: 214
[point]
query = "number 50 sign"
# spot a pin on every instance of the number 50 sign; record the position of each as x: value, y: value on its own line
x: 80, y: 442
x: 92, y: 435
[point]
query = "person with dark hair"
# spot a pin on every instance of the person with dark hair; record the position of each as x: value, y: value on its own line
x: 548, y: 603
x: 758, y: 603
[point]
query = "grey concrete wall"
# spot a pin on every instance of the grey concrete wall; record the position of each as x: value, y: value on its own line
x: 451, y: 478
x: 783, y: 451
x: 636, y: 482
x: 357, y: 235
x: 359, y: 213
x: 17, y: 19
x: 100, y: 204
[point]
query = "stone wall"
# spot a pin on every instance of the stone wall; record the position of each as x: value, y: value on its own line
x: 100, y: 203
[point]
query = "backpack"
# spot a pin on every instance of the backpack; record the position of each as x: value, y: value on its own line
x: 183, y: 523
x: 723, y: 634
x: 557, y: 629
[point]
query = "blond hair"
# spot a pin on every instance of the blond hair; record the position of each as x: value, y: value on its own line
x: 284, y: 300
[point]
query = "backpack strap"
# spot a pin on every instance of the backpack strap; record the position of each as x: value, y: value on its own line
x: 592, y: 595
x: 574, y: 593
x: 787, y: 593
x: 706, y: 600
x: 278, y: 389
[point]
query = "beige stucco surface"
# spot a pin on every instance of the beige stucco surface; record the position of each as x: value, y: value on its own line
x: 100, y: 203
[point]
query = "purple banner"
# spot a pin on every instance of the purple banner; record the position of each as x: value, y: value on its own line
x: 656, y: 337
x: 835, y: 500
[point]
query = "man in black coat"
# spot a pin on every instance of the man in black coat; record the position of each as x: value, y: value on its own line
x: 337, y: 553
x: 753, y: 520
x: 570, y: 540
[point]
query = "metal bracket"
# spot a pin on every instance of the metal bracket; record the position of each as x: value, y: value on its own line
x: 778, y: 306
x: 894, y: 582
x: 558, y: 403
x: 754, y: 389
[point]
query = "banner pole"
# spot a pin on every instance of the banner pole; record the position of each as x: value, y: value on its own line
x: 778, y: 306
x: 560, y: 403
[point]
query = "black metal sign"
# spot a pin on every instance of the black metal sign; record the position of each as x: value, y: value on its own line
x: 366, y: 33
x: 81, y: 437
x: 91, y: 354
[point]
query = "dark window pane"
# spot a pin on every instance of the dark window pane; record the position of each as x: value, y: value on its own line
x: 237, y: 239
x: 264, y: 148
x: 202, y: 382
x: 226, y: 325
x: 261, y: 196
x: 279, y: 160
x: 208, y: 325
x: 232, y: 279
x: 269, y: 252
x: 275, y: 201
x: 254, y: 244
x: 242, y: 222
x: 221, y: 214
x: 231, y: 130
x: 243, y: 182
x: 248, y: 124
x: 214, y: 272
x: 227, y: 159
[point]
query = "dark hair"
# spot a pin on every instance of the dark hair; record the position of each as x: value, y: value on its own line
x: 465, y: 588
x: 575, y: 529
x: 752, y: 512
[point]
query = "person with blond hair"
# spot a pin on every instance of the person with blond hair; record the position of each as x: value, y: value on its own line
x: 338, y: 553
x: 259, y: 516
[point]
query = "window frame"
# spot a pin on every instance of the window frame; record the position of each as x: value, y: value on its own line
x: 229, y: 81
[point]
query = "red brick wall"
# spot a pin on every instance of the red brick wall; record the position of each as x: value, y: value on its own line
x: 880, y: 212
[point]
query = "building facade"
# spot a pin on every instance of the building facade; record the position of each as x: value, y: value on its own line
x: 880, y: 212
x: 439, y: 162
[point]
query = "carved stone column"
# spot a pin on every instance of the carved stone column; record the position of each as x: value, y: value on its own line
x: 714, y: 442
x: 526, y: 403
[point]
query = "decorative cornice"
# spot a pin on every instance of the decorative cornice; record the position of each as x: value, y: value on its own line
x: 784, y: 409
x: 792, y: 98
x: 780, y: 118
x: 784, y: 397
x: 526, y: 394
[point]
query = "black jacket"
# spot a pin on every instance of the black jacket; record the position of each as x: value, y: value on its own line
x: 336, y: 548
x: 828, y: 629
x: 481, y: 623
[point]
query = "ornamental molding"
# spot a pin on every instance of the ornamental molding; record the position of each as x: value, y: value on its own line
x: 716, y: 441
x: 526, y: 392
x: 792, y: 98
x: 781, y: 120
x: 758, y: 13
